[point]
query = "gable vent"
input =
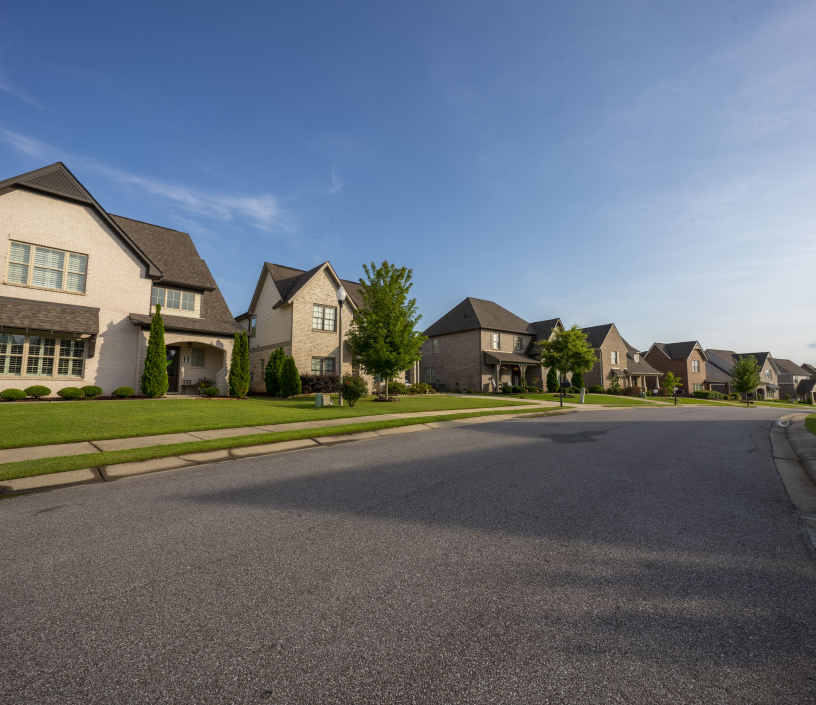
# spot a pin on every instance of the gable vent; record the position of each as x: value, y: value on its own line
x: 57, y: 182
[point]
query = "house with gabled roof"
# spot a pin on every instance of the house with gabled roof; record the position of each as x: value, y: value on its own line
x: 687, y: 361
x: 790, y: 375
x: 768, y: 388
x: 617, y: 359
x: 481, y: 346
x: 79, y: 287
x: 298, y: 310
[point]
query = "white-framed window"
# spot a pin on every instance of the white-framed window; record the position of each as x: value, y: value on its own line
x: 767, y: 374
x: 637, y: 357
x: 47, y: 268
x: 252, y: 324
x: 518, y: 342
x: 322, y: 365
x: 170, y: 298
x: 198, y: 357
x: 430, y: 375
x: 695, y: 365
x: 435, y: 345
x: 11, y: 354
x: 696, y: 387
x: 495, y: 341
x: 40, y: 361
x: 324, y: 317
x: 71, y: 358
x: 614, y: 357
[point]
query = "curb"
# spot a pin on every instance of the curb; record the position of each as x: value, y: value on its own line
x: 108, y: 473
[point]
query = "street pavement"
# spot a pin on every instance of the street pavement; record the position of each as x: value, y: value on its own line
x: 623, y: 556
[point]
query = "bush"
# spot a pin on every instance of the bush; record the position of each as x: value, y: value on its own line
x: 239, y: 367
x: 596, y: 389
x: 517, y: 390
x: 577, y: 380
x: 663, y: 392
x: 734, y: 396
x: 91, y: 391
x: 421, y: 388
x: 318, y: 384
x: 290, y: 378
x: 71, y: 393
x: 123, y: 392
x: 273, y: 371
x: 154, y: 377
x: 787, y: 397
x: 210, y: 391
x: 38, y: 391
x: 354, y: 387
x: 398, y: 388
x: 809, y: 400
x: 707, y: 394
x: 552, y: 381
x: 13, y: 394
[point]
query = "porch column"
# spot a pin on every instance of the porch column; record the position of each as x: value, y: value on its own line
x: 522, y: 377
x: 498, y: 376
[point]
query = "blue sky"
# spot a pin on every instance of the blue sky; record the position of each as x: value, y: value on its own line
x: 649, y: 164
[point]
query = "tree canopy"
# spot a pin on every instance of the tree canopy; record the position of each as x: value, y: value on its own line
x: 745, y: 375
x: 567, y: 351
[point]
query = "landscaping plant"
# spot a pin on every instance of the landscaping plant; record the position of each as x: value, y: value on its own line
x: 670, y: 381
x: 578, y: 380
x: 13, y: 394
x: 567, y: 351
x: 745, y: 376
x: 239, y: 366
x: 123, y: 392
x: 353, y: 387
x: 290, y: 378
x: 91, y: 391
x: 272, y: 373
x: 38, y: 391
x: 71, y: 393
x: 154, y: 377
x: 552, y: 381
x: 382, y: 336
x: 210, y: 391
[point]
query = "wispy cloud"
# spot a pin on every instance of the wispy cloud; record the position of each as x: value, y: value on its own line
x: 337, y: 182
x: 811, y: 345
x: 263, y: 210
x: 17, y: 92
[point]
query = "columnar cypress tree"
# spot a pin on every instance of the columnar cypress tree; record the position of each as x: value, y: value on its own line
x: 577, y: 379
x: 552, y: 380
x: 239, y: 367
x: 154, y: 377
x: 290, y: 378
x: 272, y: 373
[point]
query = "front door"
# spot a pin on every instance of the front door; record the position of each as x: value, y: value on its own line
x: 172, y: 368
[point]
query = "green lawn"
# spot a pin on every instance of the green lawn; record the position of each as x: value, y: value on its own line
x: 810, y: 423
x: 42, y: 424
x: 588, y: 399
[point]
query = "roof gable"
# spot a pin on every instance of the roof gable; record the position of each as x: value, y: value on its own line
x: 478, y: 314
x: 680, y: 351
x: 597, y: 335
x: 791, y: 367
x: 289, y: 281
x: 544, y: 329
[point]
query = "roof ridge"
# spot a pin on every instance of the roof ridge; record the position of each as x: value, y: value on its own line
x: 144, y: 222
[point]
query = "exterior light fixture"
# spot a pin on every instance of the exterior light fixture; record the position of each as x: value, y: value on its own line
x: 341, y: 299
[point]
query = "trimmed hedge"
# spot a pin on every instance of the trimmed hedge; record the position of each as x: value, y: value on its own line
x: 318, y: 384
x: 596, y: 389
x: 123, y: 392
x: 13, y: 394
x: 210, y: 391
x: 708, y: 394
x: 421, y: 388
x: 92, y: 391
x: 395, y: 387
x: 37, y: 391
x: 71, y: 393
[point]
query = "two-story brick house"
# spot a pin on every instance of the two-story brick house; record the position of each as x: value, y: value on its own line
x: 479, y: 345
x: 79, y: 286
x: 617, y: 359
x: 724, y: 360
x: 790, y: 375
x: 685, y: 360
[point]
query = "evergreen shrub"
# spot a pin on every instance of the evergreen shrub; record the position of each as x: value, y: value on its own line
x: 577, y: 380
x: 13, y: 394
x: 210, y: 391
x: 596, y: 389
x: 71, y: 393
x: 290, y: 378
x: 239, y: 366
x: 154, y: 377
x: 354, y: 387
x: 91, y: 391
x: 552, y: 381
x: 37, y: 391
x: 123, y: 392
x: 397, y: 388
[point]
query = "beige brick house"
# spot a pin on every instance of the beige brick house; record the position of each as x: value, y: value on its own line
x: 479, y: 345
x: 687, y: 360
x: 298, y: 310
x: 79, y: 286
x: 617, y: 359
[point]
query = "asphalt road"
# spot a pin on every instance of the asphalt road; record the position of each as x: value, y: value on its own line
x: 628, y: 556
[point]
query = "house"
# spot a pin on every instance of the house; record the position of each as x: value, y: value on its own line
x: 299, y: 311
x: 724, y: 360
x: 685, y: 360
x: 479, y: 345
x: 790, y: 375
x: 617, y: 359
x: 79, y: 286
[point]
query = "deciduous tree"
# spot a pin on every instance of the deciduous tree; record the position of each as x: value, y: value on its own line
x: 745, y: 375
x: 567, y: 351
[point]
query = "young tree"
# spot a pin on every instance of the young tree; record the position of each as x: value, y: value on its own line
x: 568, y: 351
x: 382, y: 336
x: 670, y: 381
x: 290, y: 384
x: 552, y: 380
x: 354, y: 387
x: 239, y: 366
x: 745, y: 375
x: 578, y: 380
x: 154, y: 377
x: 273, y: 371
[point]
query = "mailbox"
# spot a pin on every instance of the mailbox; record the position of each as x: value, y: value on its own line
x: 566, y: 385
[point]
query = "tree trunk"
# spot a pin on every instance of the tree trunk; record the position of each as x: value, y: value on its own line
x: 386, y: 387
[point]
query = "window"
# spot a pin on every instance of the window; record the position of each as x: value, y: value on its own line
x: 198, y: 357
x: 495, y: 341
x: 40, y: 361
x: 322, y: 365
x: 767, y: 374
x: 52, y: 269
x: 324, y: 317
x: 430, y: 375
x: 11, y: 354
x: 71, y: 356
x: 252, y: 325
x: 695, y: 365
x: 637, y: 357
x: 614, y: 356
x: 435, y: 345
x: 518, y: 341
x: 696, y: 387
x: 169, y: 298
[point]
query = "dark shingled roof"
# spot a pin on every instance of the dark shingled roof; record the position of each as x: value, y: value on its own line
x: 729, y: 356
x: 190, y: 324
x: 491, y: 357
x: 790, y: 367
x: 475, y: 314
x: 641, y: 367
x: 715, y: 374
x: 810, y: 368
x: 289, y: 281
x: 45, y: 315
x: 678, y: 351
x: 543, y: 329
x: 806, y: 385
x: 597, y: 334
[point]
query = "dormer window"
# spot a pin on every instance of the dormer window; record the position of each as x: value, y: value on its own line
x: 637, y: 357
x: 46, y: 268
x: 170, y: 298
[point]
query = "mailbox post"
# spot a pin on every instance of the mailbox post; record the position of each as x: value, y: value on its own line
x: 564, y: 387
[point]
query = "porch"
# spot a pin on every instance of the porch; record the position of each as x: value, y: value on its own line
x: 512, y: 368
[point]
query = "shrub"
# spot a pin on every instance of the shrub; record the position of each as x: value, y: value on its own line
x: 809, y: 400
x: 354, y: 387
x: 552, y: 381
x: 596, y: 389
x: 123, y: 392
x: 707, y: 394
x: 210, y: 391
x: 273, y: 371
x: 577, y: 380
x: 422, y: 388
x: 787, y: 397
x: 317, y: 384
x: 38, y: 391
x: 290, y: 378
x: 517, y: 390
x: 91, y: 391
x: 71, y: 393
x: 399, y: 388
x: 13, y: 394
x: 734, y: 396
x: 154, y: 377
x: 239, y: 367
x: 663, y: 392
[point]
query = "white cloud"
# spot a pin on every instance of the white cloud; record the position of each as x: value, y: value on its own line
x: 9, y: 87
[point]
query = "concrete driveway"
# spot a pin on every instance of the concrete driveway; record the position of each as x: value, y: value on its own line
x: 623, y: 556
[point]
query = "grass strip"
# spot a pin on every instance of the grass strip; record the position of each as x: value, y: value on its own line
x: 47, y: 466
x: 810, y: 423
